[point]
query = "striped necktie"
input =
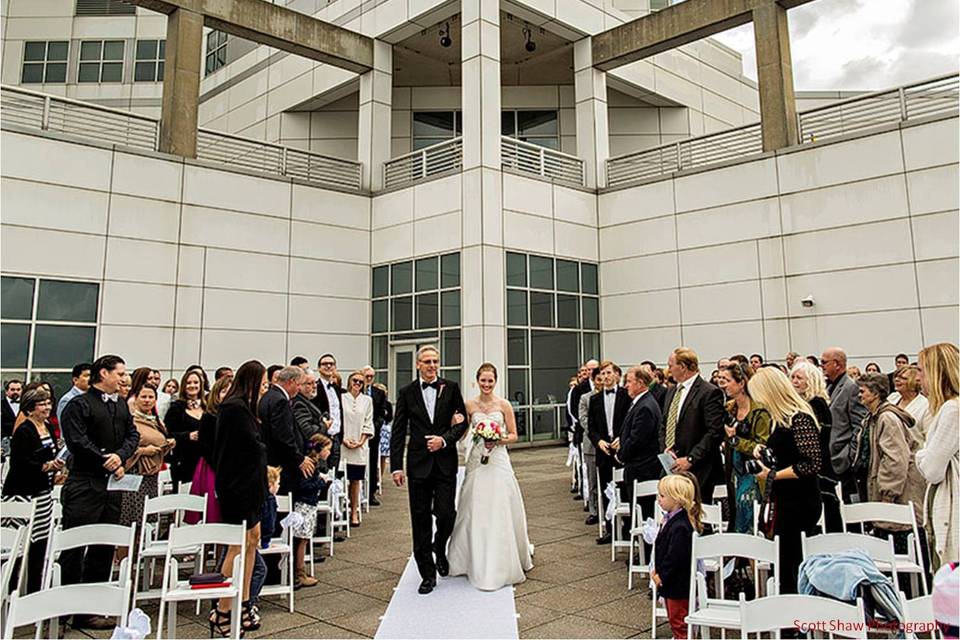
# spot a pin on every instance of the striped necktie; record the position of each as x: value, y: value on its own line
x: 672, y: 415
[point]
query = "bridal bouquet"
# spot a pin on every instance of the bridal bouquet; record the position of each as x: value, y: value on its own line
x: 488, y: 432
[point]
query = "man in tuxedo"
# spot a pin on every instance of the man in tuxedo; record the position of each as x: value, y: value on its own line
x: 847, y: 413
x: 381, y: 414
x: 431, y: 410
x: 328, y: 400
x: 639, y: 437
x: 692, y: 427
x: 11, y: 405
x: 607, y: 411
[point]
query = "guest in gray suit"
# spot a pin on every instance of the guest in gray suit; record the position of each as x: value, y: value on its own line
x: 589, y: 451
x: 847, y: 413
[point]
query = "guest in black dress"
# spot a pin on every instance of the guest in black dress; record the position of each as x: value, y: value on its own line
x: 183, y: 425
x: 794, y: 441
x: 240, y: 462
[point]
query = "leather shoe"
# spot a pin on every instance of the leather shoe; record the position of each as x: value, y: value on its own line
x: 93, y: 622
x: 374, y: 502
x: 604, y: 539
x: 426, y: 586
x: 591, y: 520
x: 578, y: 497
x: 443, y: 567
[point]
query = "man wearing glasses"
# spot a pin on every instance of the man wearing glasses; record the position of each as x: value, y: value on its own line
x: 328, y: 400
x: 381, y: 414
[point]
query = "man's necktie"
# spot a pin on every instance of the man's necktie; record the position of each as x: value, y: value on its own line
x: 434, y: 384
x: 110, y: 397
x: 610, y: 391
x: 672, y: 415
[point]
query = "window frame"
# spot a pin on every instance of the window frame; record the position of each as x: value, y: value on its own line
x: 100, y: 62
x: 45, y: 63
x: 157, y: 62
x: 215, y: 56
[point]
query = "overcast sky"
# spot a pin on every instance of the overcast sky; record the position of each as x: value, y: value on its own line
x: 863, y: 44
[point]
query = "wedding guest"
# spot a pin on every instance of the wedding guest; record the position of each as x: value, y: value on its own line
x: 357, y: 430
x: 272, y: 372
x: 203, y: 482
x: 846, y: 413
x: 606, y: 413
x: 385, y: 437
x: 240, y: 462
x: 329, y: 401
x: 12, y: 389
x: 171, y: 387
x: 872, y: 367
x: 939, y: 459
x: 300, y: 361
x: 756, y: 361
x: 657, y: 390
x: 183, y: 424
x: 223, y: 372
x: 203, y: 378
x: 812, y: 359
x: 791, y: 359
x: 900, y: 360
x: 285, y: 445
x: 906, y: 381
x: 125, y: 384
x: 163, y: 399
x: 853, y: 371
x: 381, y: 414
x: 306, y: 500
x: 589, y: 450
x: 80, y: 375
x: 33, y: 464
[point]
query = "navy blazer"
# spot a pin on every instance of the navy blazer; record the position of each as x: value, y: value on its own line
x: 281, y: 436
x: 639, y: 445
x: 671, y: 557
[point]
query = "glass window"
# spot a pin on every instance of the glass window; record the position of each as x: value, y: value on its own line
x: 378, y: 322
x: 433, y: 124
x: 450, y: 270
x: 16, y: 298
x: 516, y: 269
x: 379, y: 356
x: 451, y: 374
x: 541, y: 309
x: 450, y: 349
x: 427, y: 274
x: 591, y: 346
x: 567, y: 272
x: 537, y: 123
x: 148, y: 66
x: 101, y: 61
x: 517, y: 391
x: 60, y: 347
x: 541, y: 272
x: 402, y: 316
x: 588, y: 278
x: 14, y: 345
x: 545, y: 425
x: 516, y: 346
x: 44, y: 62
x: 449, y: 308
x: 427, y: 311
x: 553, y: 357
x: 516, y: 307
x: 401, y: 278
x: 381, y: 282
x: 591, y: 313
x: 61, y: 382
x: 508, y: 123
x: 67, y: 301
x: 568, y: 313
x: 216, y: 56
x: 523, y: 420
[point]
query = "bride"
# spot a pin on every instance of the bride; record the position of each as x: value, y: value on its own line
x: 489, y: 543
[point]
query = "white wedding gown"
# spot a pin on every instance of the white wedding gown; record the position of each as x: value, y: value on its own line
x: 489, y: 543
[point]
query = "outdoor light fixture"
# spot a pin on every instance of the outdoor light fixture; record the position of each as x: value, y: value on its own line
x: 445, y: 39
x: 807, y: 301
x: 530, y: 46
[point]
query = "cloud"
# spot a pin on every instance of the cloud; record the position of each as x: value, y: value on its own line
x: 863, y: 44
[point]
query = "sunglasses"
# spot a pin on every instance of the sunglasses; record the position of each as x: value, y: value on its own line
x: 356, y: 381
x: 328, y: 364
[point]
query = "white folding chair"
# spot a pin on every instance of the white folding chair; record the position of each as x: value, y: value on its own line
x: 879, y: 550
x: 112, y: 535
x: 712, y: 515
x: 774, y: 613
x: 341, y: 505
x: 57, y: 515
x: 643, y: 489
x: 184, y: 540
x: 50, y: 604
x: 918, y: 616
x: 152, y: 547
x: 621, y: 512
x: 910, y: 562
x: 165, y: 482
x: 364, y: 492
x: 720, y: 612
x: 26, y: 512
x: 184, y: 488
x: 14, y: 542
x: 283, y: 547
x: 603, y: 514
x: 326, y: 510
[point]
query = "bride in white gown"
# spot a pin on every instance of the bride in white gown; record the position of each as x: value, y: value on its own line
x: 489, y: 543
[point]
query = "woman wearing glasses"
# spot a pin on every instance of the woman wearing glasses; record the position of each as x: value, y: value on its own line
x: 357, y: 429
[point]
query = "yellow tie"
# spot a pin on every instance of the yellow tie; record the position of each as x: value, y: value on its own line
x: 672, y: 417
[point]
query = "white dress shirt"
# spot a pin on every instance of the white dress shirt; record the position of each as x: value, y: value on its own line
x: 334, y: 401
x: 609, y: 404
x: 429, y: 397
x: 684, y: 390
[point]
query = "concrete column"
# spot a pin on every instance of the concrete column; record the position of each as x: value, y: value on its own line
x: 181, y: 83
x: 376, y: 98
x: 778, y: 107
x: 590, y: 95
x: 480, y: 88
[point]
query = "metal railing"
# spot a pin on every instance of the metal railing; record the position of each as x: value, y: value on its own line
x: 540, y: 161
x: 938, y: 96
x: 34, y: 110
x: 437, y: 159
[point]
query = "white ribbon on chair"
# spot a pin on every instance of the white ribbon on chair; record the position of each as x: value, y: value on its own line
x: 610, y: 492
x: 138, y: 627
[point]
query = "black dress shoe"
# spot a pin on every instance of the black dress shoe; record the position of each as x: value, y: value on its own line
x: 443, y: 566
x: 604, y: 539
x: 578, y: 497
x: 93, y: 622
x: 426, y: 586
x: 591, y: 520
x: 374, y: 502
x: 574, y: 490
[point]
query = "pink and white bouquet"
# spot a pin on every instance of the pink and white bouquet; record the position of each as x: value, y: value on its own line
x: 489, y: 432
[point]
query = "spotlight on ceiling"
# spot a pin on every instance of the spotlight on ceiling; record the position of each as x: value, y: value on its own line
x: 530, y: 45
x: 445, y: 39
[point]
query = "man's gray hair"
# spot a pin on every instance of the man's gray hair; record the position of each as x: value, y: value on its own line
x: 424, y: 349
x: 289, y: 373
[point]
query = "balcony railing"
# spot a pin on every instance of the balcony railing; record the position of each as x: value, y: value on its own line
x: 437, y: 159
x: 30, y: 109
x: 540, y: 161
x: 938, y: 96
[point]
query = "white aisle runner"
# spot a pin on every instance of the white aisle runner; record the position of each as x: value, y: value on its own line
x: 455, y: 609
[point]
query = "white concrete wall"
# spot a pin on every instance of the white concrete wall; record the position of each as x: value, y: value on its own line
x: 719, y: 260
x: 194, y: 264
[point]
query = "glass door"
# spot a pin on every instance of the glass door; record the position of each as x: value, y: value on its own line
x: 402, y: 367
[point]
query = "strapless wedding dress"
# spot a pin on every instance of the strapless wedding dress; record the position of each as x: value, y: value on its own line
x: 489, y: 544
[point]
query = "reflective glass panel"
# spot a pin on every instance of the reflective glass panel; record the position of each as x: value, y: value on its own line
x: 541, y: 309
x: 14, y: 345
x: 69, y: 301
x: 402, y: 314
x: 58, y: 347
x: 568, y: 315
x: 588, y: 278
x: 16, y: 298
x: 401, y: 278
x: 567, y: 276
x: 516, y: 307
x: 450, y: 270
x: 516, y: 269
x: 541, y: 272
x: 378, y: 322
x: 381, y: 282
x: 516, y: 346
x: 427, y: 311
x: 427, y: 274
x: 449, y: 308
x: 450, y: 349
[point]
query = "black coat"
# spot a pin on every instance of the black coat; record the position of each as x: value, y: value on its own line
x: 27, y: 456
x: 307, y: 417
x: 240, y: 462
x: 184, y: 457
x: 281, y: 436
x: 699, y: 431
x: 574, y: 408
x: 382, y: 411
x: 322, y: 402
x: 9, y: 417
x: 671, y: 557
x: 597, y: 417
x: 411, y: 417
x: 639, y: 444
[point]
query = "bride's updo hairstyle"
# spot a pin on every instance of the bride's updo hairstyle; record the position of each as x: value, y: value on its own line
x: 487, y: 366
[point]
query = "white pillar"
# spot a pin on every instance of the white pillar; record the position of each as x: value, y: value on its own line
x: 373, y: 133
x: 590, y: 95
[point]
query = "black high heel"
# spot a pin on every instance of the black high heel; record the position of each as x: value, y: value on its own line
x: 250, y: 618
x: 217, y: 619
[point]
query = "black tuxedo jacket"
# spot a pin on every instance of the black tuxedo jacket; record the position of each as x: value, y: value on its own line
x: 280, y: 435
x: 381, y: 410
x: 699, y: 430
x: 410, y: 416
x: 8, y: 417
x: 323, y: 403
x: 597, y: 417
x: 639, y: 441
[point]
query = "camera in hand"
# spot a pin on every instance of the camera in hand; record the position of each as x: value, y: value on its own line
x: 743, y: 430
x: 766, y: 457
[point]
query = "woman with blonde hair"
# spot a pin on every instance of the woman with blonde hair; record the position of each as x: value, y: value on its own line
x: 939, y: 459
x: 792, y: 485
x: 357, y: 430
x: 906, y: 381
